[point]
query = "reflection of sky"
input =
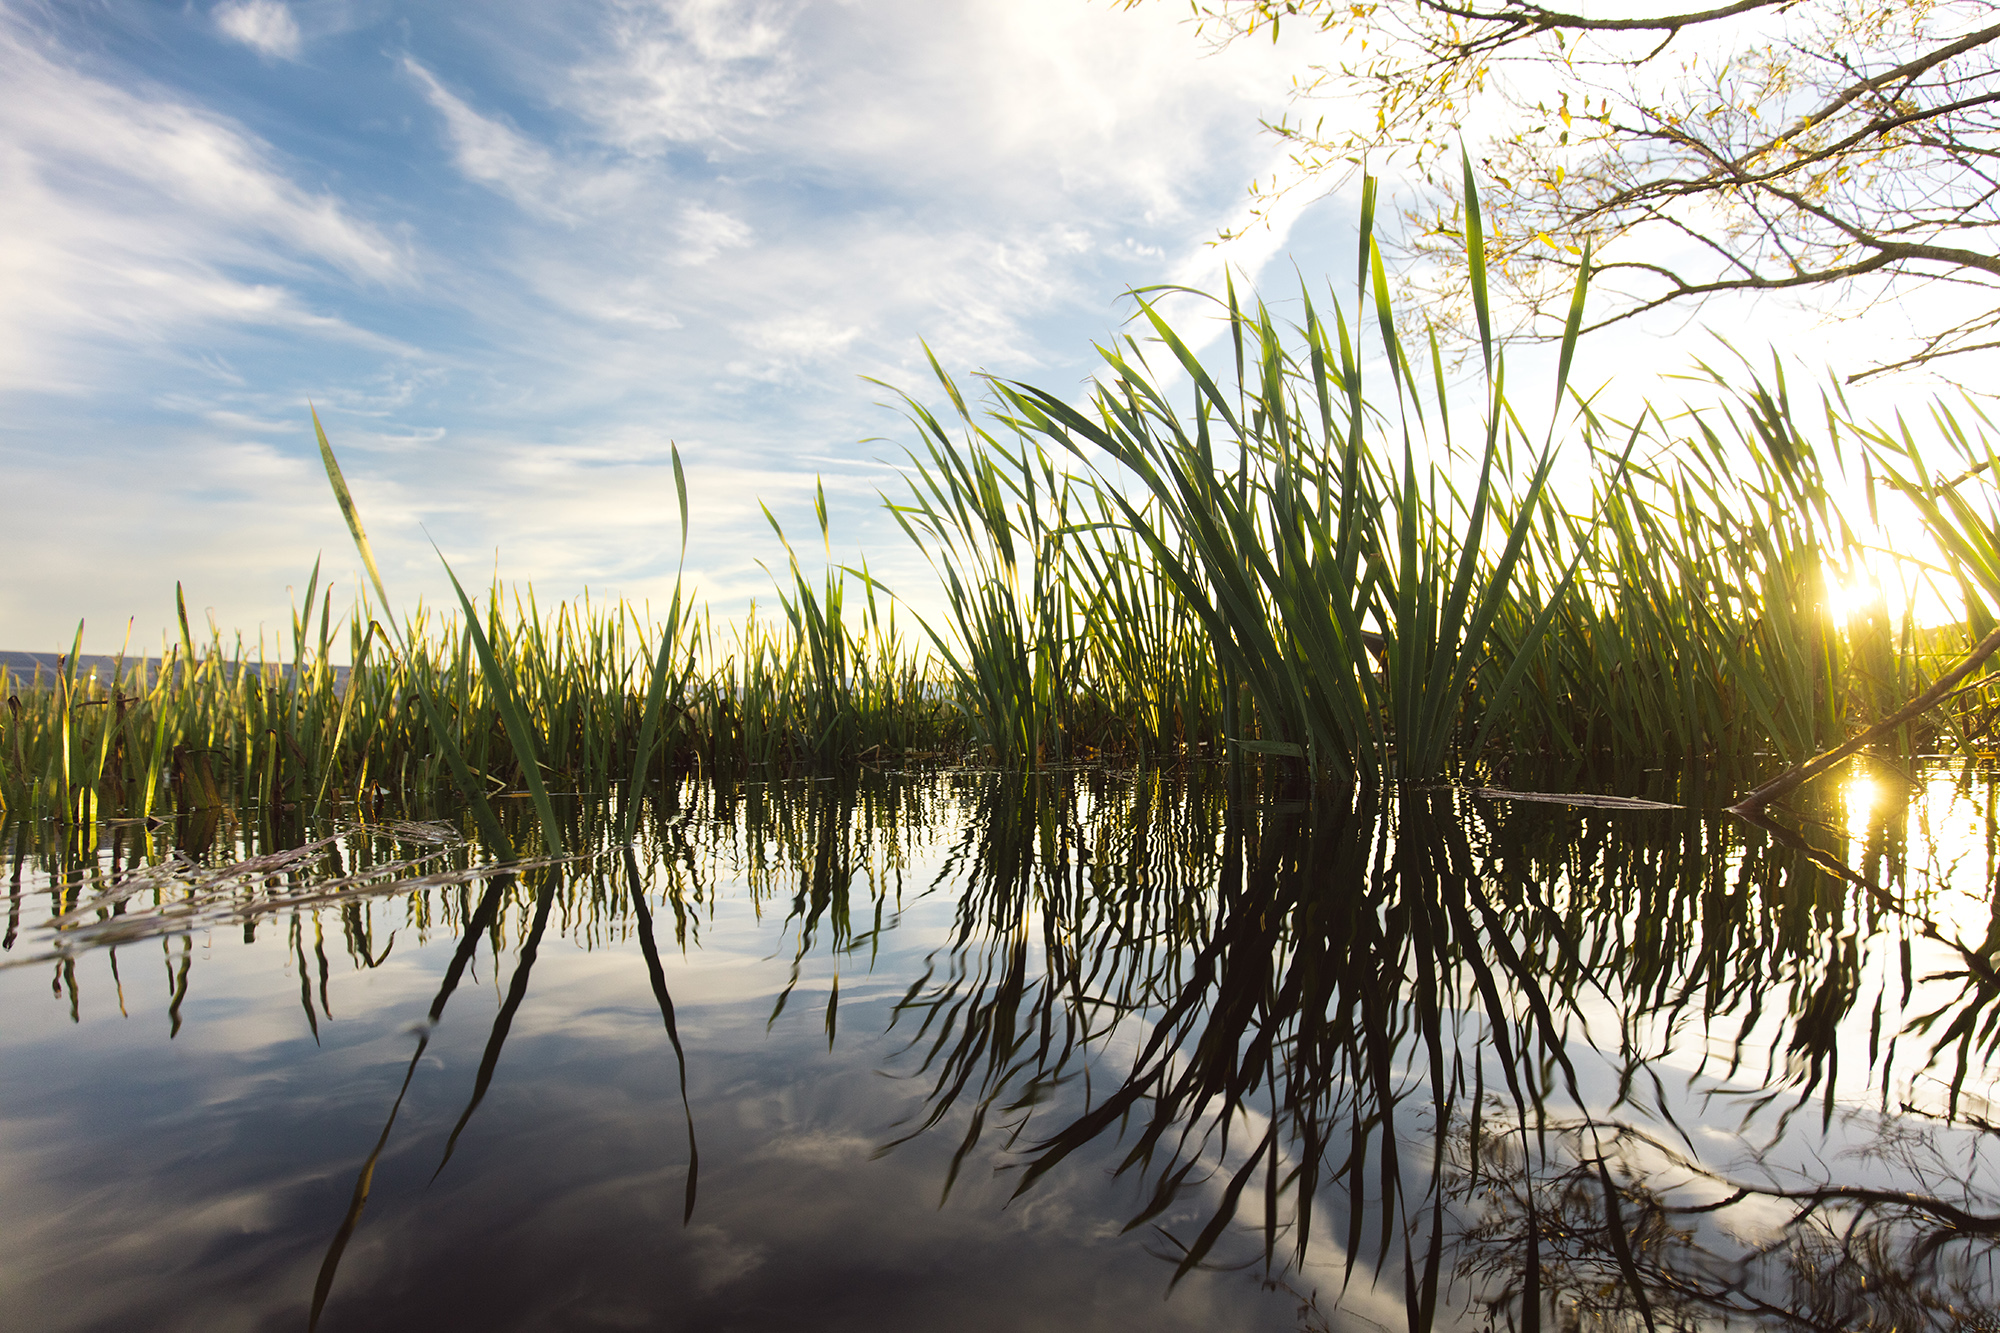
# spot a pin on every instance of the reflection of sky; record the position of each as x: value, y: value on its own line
x: 1929, y: 848
x: 195, y: 1183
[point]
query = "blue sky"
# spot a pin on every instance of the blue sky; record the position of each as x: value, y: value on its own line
x: 512, y: 250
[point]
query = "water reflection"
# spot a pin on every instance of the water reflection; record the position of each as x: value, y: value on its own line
x: 1758, y: 1244
x: 1481, y: 1063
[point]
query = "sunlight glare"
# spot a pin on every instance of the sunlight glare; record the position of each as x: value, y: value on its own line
x: 1860, y: 793
x: 1854, y: 593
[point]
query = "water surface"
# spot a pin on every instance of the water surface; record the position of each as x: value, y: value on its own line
x: 1093, y: 1051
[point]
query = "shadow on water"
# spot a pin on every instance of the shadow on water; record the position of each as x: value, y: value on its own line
x: 1518, y: 1066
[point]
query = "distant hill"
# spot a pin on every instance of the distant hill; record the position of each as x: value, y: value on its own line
x: 21, y: 667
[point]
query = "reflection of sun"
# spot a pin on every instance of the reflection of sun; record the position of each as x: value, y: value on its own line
x: 1950, y: 888
x: 1860, y: 793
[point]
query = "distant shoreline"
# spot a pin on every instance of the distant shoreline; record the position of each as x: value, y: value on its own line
x: 22, y: 667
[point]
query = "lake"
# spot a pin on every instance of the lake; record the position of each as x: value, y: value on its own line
x: 1090, y: 1050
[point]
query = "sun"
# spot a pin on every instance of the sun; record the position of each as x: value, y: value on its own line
x: 1854, y: 592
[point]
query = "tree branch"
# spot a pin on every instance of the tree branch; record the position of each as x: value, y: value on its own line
x: 1535, y: 18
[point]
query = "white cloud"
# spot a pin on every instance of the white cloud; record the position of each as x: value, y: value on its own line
x: 952, y: 172
x: 571, y: 189
x: 129, y: 216
x: 1035, y: 100
x: 945, y: 173
x: 707, y: 232
x: 266, y: 25
x: 688, y: 71
x: 710, y: 198
x: 488, y: 151
x: 796, y: 339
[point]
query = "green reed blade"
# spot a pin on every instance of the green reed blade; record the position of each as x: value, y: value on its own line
x: 1475, y: 258
x: 474, y: 792
x: 348, y: 511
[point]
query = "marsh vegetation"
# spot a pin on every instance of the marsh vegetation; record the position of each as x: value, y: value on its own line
x: 1282, y: 564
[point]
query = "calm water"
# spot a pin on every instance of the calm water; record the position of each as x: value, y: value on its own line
x: 971, y: 1052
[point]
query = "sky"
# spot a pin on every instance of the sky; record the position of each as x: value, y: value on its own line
x: 515, y: 252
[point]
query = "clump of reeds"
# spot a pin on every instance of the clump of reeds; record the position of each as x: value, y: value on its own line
x: 596, y: 686
x: 1376, y: 599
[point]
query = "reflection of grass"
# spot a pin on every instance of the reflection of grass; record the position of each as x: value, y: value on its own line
x: 1263, y: 1006
x: 1273, y: 1022
x: 1279, y: 561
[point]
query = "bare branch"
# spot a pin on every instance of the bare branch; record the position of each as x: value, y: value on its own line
x: 1842, y: 143
x: 1537, y: 18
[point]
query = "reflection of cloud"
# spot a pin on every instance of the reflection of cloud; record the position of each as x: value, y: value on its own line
x: 821, y: 1147
x: 721, y: 1259
x: 264, y: 24
x: 562, y: 1207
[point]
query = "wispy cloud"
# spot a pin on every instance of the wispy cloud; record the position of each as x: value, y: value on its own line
x: 266, y: 25
x: 795, y: 338
x: 689, y: 72
x: 491, y: 152
x: 707, y: 232
x: 127, y: 214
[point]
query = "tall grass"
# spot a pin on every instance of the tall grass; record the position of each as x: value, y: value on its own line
x: 609, y: 694
x: 1311, y: 556
x: 1377, y: 600
x: 1301, y: 543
